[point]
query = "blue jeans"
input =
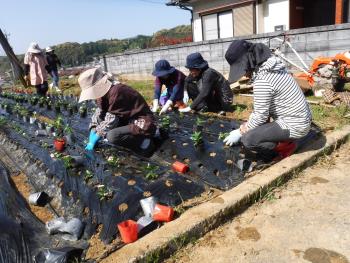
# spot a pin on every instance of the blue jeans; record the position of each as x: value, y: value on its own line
x: 55, y: 79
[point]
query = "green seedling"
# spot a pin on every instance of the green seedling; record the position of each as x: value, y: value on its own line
x: 59, y: 124
x: 223, y: 135
x: 200, y: 122
x: 165, y: 122
x: 197, y: 138
x: 67, y: 161
x: 113, y: 161
x: 150, y: 171
x: 88, y: 175
x: 3, y: 121
x: 103, y: 192
x: 68, y: 130
x: 45, y: 145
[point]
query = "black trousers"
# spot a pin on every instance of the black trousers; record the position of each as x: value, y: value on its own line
x: 213, y: 102
x: 123, y: 137
x: 41, y: 89
x: 263, y: 139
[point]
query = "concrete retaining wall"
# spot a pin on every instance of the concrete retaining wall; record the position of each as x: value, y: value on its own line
x: 309, y: 42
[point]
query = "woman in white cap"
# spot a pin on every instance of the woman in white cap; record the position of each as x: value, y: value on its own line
x: 122, y: 116
x: 53, y: 62
x: 36, y: 68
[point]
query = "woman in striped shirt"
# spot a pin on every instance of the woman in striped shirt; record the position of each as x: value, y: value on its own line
x: 281, y: 112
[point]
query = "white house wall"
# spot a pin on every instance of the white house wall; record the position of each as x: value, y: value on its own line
x: 274, y: 12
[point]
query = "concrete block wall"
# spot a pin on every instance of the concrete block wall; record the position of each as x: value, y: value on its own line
x: 309, y: 42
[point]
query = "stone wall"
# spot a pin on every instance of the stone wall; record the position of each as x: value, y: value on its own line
x: 309, y: 42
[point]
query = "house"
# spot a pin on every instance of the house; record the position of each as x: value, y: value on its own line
x: 214, y: 19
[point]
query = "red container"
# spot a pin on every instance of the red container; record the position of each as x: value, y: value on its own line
x: 59, y: 144
x: 180, y: 167
x: 163, y: 213
x: 128, y: 231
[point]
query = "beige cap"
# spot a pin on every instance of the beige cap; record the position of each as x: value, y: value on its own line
x: 94, y: 84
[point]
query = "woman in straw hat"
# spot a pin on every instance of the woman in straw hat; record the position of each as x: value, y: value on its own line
x: 122, y: 115
x: 36, y: 68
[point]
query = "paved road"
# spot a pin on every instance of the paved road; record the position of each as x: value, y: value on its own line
x: 307, y: 220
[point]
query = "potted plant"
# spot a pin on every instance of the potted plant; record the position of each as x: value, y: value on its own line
x: 34, y: 100
x: 49, y: 104
x: 59, y: 141
x: 25, y: 114
x: 42, y: 101
x: 68, y: 131
x: 83, y: 110
x: 32, y: 119
x: 197, y: 138
x: 58, y: 106
x: 70, y: 109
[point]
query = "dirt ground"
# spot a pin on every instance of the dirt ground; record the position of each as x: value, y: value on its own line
x: 25, y: 189
x: 306, y: 220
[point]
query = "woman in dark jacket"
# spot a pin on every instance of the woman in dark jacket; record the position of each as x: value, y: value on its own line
x: 173, y: 80
x: 208, y: 89
x: 122, y: 116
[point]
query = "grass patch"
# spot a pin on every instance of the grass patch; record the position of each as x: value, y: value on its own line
x: 145, y: 87
x: 330, y: 118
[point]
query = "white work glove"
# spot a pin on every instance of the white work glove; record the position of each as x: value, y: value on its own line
x: 155, y: 105
x: 233, y: 138
x: 187, y: 109
x: 166, y: 107
x: 185, y: 98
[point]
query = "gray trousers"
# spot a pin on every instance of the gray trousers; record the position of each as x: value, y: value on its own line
x: 263, y: 139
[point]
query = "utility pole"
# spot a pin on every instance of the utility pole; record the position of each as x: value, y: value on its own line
x: 7, y: 35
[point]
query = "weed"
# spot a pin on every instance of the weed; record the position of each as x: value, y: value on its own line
x: 197, y: 138
x: 150, y: 171
x: 341, y: 110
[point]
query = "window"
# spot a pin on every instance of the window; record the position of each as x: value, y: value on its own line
x: 210, y: 27
x: 225, y: 24
x: 218, y: 25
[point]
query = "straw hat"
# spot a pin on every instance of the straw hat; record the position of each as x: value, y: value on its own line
x: 94, y: 84
x: 34, y: 48
x: 48, y: 49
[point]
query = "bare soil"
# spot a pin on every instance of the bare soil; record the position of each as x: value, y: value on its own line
x: 22, y: 185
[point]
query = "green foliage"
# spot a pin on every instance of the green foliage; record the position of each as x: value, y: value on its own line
x: 113, y: 161
x: 199, y: 121
x: 3, y: 121
x: 223, y: 135
x: 67, y: 161
x: 150, y: 171
x: 88, y: 175
x: 197, y: 138
x: 103, y: 193
x: 165, y: 122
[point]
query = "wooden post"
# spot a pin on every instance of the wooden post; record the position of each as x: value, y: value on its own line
x: 339, y: 11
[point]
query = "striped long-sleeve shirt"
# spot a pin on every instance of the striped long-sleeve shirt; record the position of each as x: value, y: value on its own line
x: 277, y: 95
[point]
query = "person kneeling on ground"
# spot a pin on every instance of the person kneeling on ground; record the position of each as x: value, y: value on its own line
x: 208, y: 89
x: 122, y: 115
x: 173, y: 80
x: 276, y: 96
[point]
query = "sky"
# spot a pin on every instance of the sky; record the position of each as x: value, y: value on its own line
x: 50, y: 22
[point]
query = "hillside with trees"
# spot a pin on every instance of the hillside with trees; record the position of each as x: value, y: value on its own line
x: 75, y: 54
